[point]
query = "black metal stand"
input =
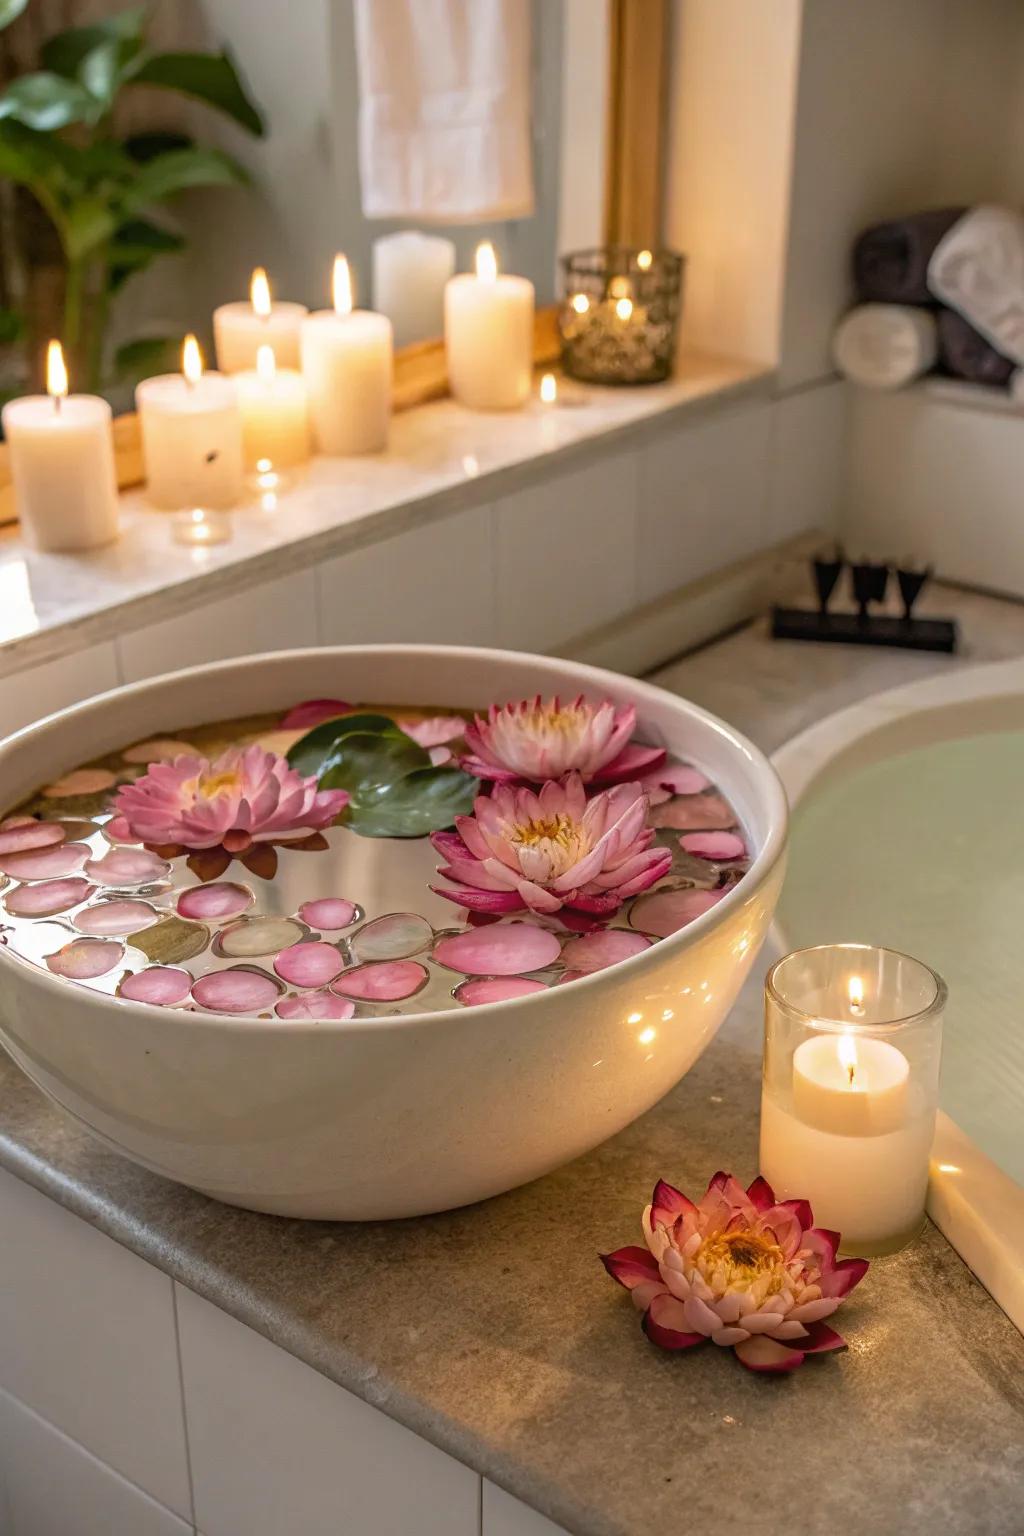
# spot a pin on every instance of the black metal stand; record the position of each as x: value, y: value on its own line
x: 864, y: 629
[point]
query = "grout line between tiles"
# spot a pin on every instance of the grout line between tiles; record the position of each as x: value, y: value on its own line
x: 184, y: 1409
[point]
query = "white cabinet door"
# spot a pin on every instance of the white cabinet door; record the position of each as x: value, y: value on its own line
x: 505, y: 1516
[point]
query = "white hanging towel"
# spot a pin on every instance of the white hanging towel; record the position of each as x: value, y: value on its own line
x: 978, y: 270
x: 444, y: 109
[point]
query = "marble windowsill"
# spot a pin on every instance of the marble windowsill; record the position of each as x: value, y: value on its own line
x: 441, y: 458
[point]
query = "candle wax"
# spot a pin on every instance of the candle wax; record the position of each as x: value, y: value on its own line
x: 238, y: 332
x: 62, y: 466
x: 191, y: 440
x: 488, y: 332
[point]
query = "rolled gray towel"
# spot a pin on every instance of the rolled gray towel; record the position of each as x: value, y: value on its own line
x: 967, y: 355
x: 890, y: 261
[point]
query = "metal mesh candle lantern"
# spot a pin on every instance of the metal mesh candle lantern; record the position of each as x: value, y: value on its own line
x: 620, y: 314
x: 851, y: 1078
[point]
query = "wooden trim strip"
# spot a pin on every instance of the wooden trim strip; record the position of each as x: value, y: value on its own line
x: 637, y: 103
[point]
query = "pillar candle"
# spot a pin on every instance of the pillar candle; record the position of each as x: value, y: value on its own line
x: 240, y: 328
x: 488, y: 332
x: 347, y: 364
x: 410, y: 271
x: 62, y: 464
x: 191, y: 436
x: 275, y: 414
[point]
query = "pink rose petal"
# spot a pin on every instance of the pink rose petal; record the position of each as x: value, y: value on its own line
x: 496, y: 989
x: 164, y: 985
x: 387, y: 981
x: 83, y: 781
x: 311, y: 711
x: 107, y: 918
x: 45, y: 863
x: 665, y: 912
x: 84, y: 959
x: 163, y: 749
x: 315, y: 1005
x: 117, y: 830
x: 236, y: 991
x: 31, y: 834
x: 437, y: 731
x: 595, y: 951
x: 48, y: 897
x: 17, y: 821
x: 328, y: 913
x: 219, y: 899
x: 309, y: 965
x: 722, y: 847
x: 128, y: 866
x: 504, y: 949
x: 694, y: 813
x: 674, y: 779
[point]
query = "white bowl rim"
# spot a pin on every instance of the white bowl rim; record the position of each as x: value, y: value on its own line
x: 590, y: 677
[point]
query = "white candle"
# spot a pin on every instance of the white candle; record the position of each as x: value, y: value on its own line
x: 62, y: 464
x: 347, y: 363
x: 240, y: 328
x: 410, y: 270
x: 275, y: 414
x: 488, y: 332
x: 191, y: 436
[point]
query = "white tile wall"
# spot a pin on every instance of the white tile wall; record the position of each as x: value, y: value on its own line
x: 29, y: 695
x: 272, y: 617
x: 278, y: 1448
x: 55, y: 1488
x: 566, y: 555
x: 703, y: 499
x: 87, y: 1340
x: 807, y: 451
x: 505, y: 1516
x: 434, y: 583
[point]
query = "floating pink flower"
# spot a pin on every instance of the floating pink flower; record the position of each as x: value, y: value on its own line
x: 738, y: 1268
x: 244, y: 797
x: 534, y: 741
x: 551, y: 850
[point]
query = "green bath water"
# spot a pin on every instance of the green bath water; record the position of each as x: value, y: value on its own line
x: 924, y: 852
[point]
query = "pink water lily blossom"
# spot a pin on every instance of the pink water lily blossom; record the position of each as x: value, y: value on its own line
x: 740, y: 1268
x: 534, y: 741
x: 243, y: 797
x: 542, y: 852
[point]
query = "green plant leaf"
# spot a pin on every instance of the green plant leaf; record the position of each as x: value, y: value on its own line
x: 145, y: 356
x: 146, y: 146
x: 100, y: 72
x: 12, y: 327
x: 89, y: 223
x: 176, y: 171
x: 135, y: 244
x: 424, y: 801
x: 312, y: 752
x: 208, y: 77
x: 10, y: 10
x: 46, y: 101
x: 65, y: 52
x: 366, y: 765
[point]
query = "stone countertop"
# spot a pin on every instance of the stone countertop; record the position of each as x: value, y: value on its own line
x: 494, y: 1332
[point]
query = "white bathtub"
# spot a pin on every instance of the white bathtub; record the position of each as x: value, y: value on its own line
x: 908, y: 830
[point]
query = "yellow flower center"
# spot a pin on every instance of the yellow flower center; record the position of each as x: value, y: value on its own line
x: 216, y: 784
x: 559, y: 829
x: 735, y: 1260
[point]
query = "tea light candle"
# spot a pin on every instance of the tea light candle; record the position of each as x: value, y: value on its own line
x: 275, y: 415
x: 191, y: 435
x: 239, y: 329
x: 62, y: 464
x: 488, y: 332
x: 410, y: 270
x: 347, y: 364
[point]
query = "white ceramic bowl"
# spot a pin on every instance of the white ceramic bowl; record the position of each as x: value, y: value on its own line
x: 374, y: 1118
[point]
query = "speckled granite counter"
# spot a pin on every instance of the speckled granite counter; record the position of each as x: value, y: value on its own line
x: 494, y: 1332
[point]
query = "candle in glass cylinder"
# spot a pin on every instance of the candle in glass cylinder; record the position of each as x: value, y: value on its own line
x: 488, y: 333
x: 275, y: 416
x: 62, y: 464
x: 410, y: 271
x: 347, y: 364
x: 240, y: 328
x: 191, y: 435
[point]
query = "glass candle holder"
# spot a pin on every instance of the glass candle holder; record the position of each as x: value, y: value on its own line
x: 620, y: 313
x: 852, y: 1045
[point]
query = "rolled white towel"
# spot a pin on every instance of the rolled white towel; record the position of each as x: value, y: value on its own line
x: 978, y: 270
x: 885, y: 346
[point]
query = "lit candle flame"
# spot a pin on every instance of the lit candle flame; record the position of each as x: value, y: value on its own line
x: 341, y: 286
x: 856, y: 994
x: 580, y: 303
x: 486, y: 262
x: 259, y: 293
x: 56, y: 373
x: 266, y: 365
x: 644, y: 260
x: 848, y: 1056
x: 548, y: 389
x: 624, y: 308
x: 191, y: 361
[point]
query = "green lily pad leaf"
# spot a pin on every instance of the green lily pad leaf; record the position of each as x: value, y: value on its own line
x: 313, y: 751
x: 366, y: 765
x: 424, y: 801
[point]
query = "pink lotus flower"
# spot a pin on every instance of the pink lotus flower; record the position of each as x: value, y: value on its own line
x: 245, y: 797
x: 534, y: 741
x: 738, y: 1268
x: 557, y: 848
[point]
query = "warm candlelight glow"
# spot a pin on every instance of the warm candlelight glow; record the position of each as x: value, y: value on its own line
x: 266, y: 364
x: 644, y: 260
x: 623, y: 308
x: 486, y: 262
x: 848, y: 1056
x: 341, y: 286
x: 549, y: 389
x: 56, y: 372
x: 855, y: 992
x: 580, y: 303
x: 259, y: 292
x: 191, y: 360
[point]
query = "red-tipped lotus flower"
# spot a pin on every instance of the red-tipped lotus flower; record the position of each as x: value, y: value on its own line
x: 534, y: 741
x: 739, y: 1268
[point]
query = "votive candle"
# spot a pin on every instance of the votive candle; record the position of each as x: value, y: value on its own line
x: 410, y: 270
x: 488, y: 333
x: 347, y: 364
x: 275, y: 414
x: 191, y: 436
x: 240, y: 329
